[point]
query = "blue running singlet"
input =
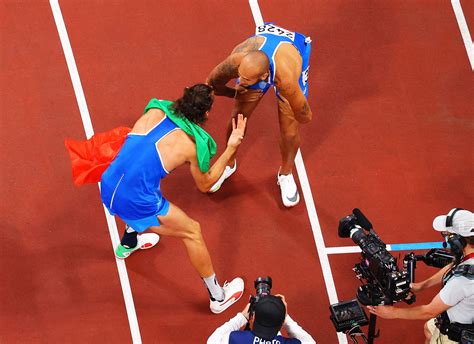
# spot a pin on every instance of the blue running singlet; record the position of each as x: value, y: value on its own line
x: 130, y: 187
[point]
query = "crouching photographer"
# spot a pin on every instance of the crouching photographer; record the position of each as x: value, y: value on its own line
x: 451, y: 312
x: 263, y: 317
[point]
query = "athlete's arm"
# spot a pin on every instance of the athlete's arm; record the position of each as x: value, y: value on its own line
x: 289, y: 88
x: 222, y: 74
x: 204, y: 181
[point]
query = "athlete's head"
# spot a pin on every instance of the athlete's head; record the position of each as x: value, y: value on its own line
x: 253, y: 68
x: 195, y: 103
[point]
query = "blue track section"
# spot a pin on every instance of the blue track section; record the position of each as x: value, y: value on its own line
x: 416, y: 246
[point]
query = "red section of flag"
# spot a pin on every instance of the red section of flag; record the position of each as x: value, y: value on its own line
x: 90, y: 158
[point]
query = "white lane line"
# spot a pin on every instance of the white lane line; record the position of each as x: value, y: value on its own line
x: 86, y: 121
x: 318, y: 236
x: 257, y: 15
x: 466, y: 36
x: 308, y: 197
x: 316, y: 227
x: 348, y: 249
x: 342, y: 249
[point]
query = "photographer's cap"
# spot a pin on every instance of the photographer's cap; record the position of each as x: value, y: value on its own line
x: 270, y: 312
x: 458, y: 221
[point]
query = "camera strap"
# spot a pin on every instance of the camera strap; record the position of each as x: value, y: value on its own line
x: 469, y: 256
x: 465, y: 270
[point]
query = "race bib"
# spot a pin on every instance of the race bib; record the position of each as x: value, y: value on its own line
x: 274, y: 30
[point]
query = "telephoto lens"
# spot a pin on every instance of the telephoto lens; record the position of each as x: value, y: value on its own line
x: 263, y: 286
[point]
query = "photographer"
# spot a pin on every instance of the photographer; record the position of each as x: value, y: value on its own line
x: 452, y: 309
x: 268, y: 317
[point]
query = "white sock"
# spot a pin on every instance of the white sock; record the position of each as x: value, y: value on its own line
x: 215, y: 290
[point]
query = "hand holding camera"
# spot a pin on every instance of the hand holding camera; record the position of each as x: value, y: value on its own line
x: 245, y: 312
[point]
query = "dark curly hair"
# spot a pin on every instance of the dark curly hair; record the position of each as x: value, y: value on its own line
x: 195, y: 102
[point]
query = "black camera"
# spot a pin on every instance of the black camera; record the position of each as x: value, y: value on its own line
x: 263, y: 287
x: 385, y: 282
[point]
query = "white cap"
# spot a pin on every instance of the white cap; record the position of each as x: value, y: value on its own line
x: 462, y: 223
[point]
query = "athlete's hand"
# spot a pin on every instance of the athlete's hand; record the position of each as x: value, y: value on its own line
x: 238, y: 131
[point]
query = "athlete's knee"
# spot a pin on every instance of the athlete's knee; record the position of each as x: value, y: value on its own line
x: 290, y: 137
x: 193, y: 232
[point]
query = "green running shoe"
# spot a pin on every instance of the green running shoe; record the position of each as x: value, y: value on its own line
x: 145, y: 241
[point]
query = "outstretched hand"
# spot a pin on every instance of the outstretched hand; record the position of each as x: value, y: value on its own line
x: 238, y: 131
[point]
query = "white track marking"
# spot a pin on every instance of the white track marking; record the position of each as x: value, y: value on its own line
x: 318, y: 235
x: 308, y: 197
x: 342, y: 249
x: 466, y: 36
x: 86, y: 121
x: 257, y: 15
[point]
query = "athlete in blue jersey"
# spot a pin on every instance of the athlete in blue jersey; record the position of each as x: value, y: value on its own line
x: 273, y: 57
x: 130, y: 187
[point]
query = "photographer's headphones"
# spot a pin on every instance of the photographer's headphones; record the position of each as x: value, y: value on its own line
x: 455, y: 241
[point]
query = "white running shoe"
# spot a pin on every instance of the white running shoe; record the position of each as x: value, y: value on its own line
x: 233, y: 291
x: 228, y: 171
x: 289, y: 190
x: 145, y: 241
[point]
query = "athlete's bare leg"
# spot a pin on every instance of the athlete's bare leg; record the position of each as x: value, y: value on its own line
x: 289, y: 136
x: 176, y: 223
x: 245, y: 103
